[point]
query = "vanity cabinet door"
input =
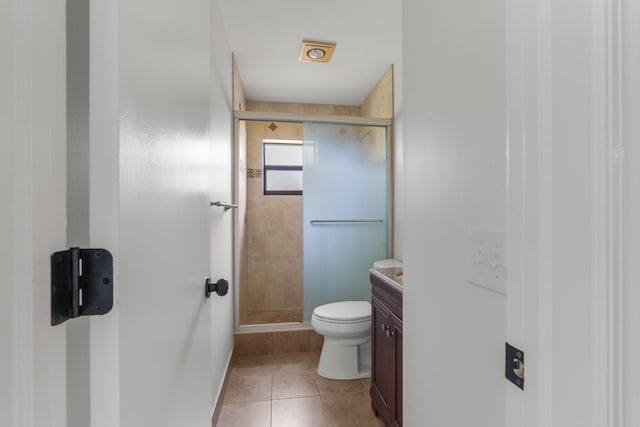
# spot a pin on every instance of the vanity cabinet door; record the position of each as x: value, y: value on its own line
x: 386, y: 353
x: 383, y: 371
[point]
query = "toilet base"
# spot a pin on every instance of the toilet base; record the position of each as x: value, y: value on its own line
x: 345, y: 359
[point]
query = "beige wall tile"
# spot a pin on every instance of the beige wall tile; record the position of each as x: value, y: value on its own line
x: 273, y: 218
x: 315, y: 341
x: 253, y: 344
x: 274, y: 229
x: 284, y: 107
x: 274, y: 223
x: 291, y: 342
x: 379, y: 102
x: 239, y: 99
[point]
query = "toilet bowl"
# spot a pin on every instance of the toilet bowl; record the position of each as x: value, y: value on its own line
x: 346, y: 327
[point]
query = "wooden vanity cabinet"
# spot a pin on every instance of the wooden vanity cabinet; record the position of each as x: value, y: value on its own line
x: 386, y: 350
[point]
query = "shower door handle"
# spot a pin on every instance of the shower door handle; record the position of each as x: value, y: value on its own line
x: 345, y: 221
x: 226, y: 206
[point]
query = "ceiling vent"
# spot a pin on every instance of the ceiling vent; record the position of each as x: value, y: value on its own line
x: 316, y: 51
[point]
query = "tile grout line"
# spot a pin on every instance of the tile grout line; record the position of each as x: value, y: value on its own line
x: 324, y: 412
x: 317, y: 380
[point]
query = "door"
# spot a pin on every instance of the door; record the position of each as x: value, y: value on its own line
x: 383, y: 357
x: 165, y: 185
x: 345, y: 211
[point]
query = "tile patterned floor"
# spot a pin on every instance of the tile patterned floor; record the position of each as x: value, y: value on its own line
x: 283, y: 390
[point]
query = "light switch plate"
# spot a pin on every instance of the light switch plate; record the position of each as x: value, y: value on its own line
x: 487, y: 263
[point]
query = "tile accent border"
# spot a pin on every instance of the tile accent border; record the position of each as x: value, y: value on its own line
x: 254, y: 173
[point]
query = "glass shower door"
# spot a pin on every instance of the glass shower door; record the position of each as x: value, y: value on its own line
x: 345, y: 211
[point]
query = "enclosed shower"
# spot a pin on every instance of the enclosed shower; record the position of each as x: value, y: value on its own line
x: 313, y: 215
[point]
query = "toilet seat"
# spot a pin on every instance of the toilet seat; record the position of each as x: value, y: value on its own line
x: 344, y: 312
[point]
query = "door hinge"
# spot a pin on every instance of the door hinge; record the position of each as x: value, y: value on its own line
x: 81, y: 283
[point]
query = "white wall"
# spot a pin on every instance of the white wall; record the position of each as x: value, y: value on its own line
x: 455, y: 164
x: 8, y: 397
x: 32, y: 218
x: 571, y: 92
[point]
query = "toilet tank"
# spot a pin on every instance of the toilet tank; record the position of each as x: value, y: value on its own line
x: 387, y: 263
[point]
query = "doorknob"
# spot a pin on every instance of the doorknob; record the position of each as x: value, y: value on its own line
x: 221, y: 287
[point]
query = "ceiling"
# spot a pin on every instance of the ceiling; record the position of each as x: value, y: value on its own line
x: 265, y: 36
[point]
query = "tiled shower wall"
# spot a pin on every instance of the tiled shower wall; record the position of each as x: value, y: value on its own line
x: 273, y: 230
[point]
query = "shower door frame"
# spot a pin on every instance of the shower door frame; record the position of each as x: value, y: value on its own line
x: 258, y: 116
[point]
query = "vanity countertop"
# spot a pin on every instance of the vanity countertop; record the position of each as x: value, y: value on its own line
x: 392, y: 276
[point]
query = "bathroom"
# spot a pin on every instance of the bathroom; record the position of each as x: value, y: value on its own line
x: 271, y: 228
x: 516, y: 118
x: 277, y: 261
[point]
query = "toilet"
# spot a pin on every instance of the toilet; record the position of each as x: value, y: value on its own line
x: 346, y: 327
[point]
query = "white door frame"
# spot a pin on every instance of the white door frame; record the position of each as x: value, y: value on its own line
x: 529, y: 195
x: 530, y: 142
x: 628, y: 175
